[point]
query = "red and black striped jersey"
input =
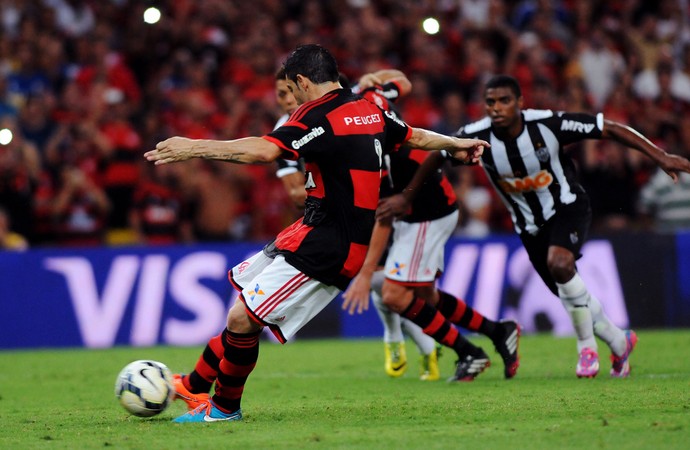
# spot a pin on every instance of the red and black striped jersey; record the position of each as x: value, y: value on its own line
x: 436, y: 197
x: 341, y: 138
x: 287, y: 166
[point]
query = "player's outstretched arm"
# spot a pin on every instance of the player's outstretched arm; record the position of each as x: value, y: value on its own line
x: 249, y: 150
x: 671, y: 164
x: 467, y: 150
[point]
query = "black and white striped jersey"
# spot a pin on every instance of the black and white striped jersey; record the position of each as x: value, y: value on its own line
x: 531, y: 173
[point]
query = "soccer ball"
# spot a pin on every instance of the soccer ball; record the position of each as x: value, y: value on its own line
x: 145, y: 388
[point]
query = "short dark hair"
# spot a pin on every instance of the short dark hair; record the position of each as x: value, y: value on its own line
x: 312, y: 61
x: 504, y: 81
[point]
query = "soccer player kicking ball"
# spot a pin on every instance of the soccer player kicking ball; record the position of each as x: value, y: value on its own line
x: 549, y: 208
x: 342, y: 138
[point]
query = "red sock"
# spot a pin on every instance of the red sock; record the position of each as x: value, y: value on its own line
x: 438, y: 327
x: 206, y: 370
x: 459, y: 313
x: 240, y: 353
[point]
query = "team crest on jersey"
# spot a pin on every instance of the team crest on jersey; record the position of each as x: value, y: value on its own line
x: 542, y: 152
x: 574, y: 237
x: 398, y: 268
x: 257, y: 291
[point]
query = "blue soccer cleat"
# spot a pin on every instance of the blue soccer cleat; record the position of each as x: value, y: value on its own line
x: 207, y: 412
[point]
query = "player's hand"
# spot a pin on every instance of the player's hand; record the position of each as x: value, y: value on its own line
x: 368, y: 80
x: 673, y: 165
x: 391, y: 207
x: 172, y: 150
x: 356, y: 297
x: 468, y: 150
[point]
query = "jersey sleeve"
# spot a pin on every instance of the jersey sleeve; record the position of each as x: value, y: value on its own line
x: 397, y: 131
x: 293, y: 137
x: 390, y: 90
x: 574, y: 127
x: 286, y: 167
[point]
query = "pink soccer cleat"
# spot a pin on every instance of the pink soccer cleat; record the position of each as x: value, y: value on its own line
x: 620, y: 367
x: 588, y: 364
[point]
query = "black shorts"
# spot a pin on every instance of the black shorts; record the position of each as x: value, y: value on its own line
x: 567, y: 228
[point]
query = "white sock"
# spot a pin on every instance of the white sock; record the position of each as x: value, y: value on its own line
x: 575, y: 298
x: 424, y: 342
x: 605, y: 330
x: 392, y: 330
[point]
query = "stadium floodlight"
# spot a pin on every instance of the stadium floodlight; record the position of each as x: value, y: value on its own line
x: 152, y: 15
x: 5, y: 136
x: 431, y: 26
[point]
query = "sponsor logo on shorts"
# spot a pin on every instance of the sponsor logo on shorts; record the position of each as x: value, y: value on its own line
x: 257, y: 291
x: 280, y: 319
x: 398, y: 268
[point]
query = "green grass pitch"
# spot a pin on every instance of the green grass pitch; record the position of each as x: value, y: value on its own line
x: 331, y: 394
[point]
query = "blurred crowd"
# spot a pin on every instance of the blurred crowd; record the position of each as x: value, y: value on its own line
x: 86, y: 86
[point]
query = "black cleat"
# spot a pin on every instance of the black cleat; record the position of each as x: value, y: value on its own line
x: 470, y: 366
x: 507, y: 344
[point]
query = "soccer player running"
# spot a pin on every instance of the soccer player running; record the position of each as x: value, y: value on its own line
x: 406, y: 285
x: 549, y: 208
x: 341, y: 138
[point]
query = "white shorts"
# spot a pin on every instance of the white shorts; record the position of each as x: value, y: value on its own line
x: 416, y: 255
x: 279, y: 296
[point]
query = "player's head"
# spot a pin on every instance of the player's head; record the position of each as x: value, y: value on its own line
x: 284, y: 97
x: 309, y: 65
x: 504, y: 81
x: 503, y: 101
x: 312, y: 61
